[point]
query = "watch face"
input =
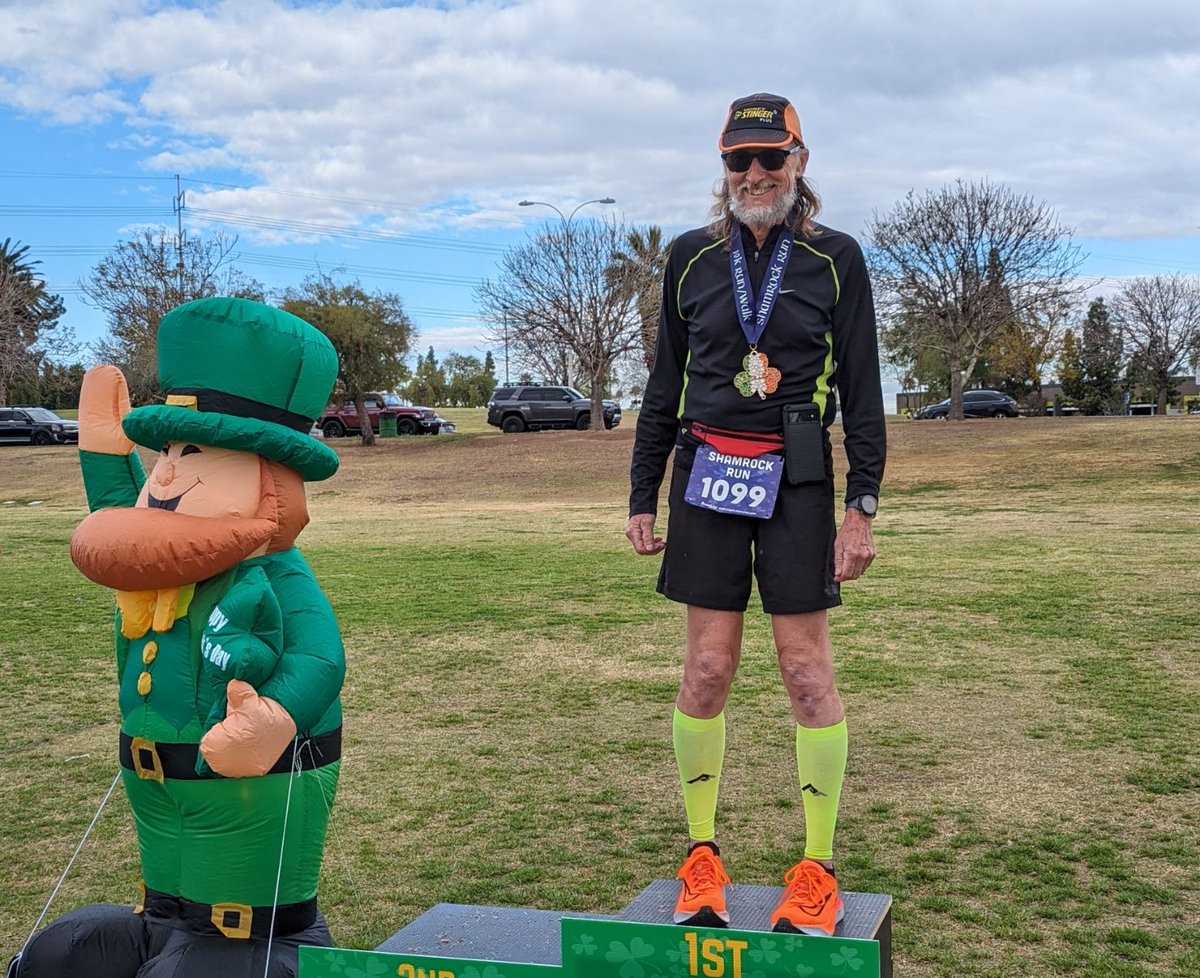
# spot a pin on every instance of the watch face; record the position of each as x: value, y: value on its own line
x: 868, y: 504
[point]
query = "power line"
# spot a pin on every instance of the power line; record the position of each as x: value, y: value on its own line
x: 282, y: 261
x: 181, y: 212
x: 304, y: 195
x: 427, y: 312
x: 372, y: 271
x: 29, y: 174
x: 330, y: 230
x: 445, y: 313
x: 233, y: 219
x: 374, y: 203
x: 278, y: 261
x: 81, y: 210
x: 1156, y: 262
x: 70, y: 251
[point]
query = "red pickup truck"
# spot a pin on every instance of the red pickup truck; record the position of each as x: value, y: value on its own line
x: 338, y: 420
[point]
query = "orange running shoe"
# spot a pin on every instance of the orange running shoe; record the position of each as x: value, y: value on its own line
x: 811, y: 903
x: 701, y: 900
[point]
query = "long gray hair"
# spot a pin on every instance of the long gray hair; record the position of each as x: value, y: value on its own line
x: 800, y: 217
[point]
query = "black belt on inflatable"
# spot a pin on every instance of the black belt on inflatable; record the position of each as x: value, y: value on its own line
x: 156, y: 760
x: 235, y: 921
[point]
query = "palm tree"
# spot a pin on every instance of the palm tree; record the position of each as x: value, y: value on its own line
x: 26, y: 311
x: 640, y: 269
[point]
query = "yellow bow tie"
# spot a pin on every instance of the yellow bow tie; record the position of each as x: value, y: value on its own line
x: 143, y: 610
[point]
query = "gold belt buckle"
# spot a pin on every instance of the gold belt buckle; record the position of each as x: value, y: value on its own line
x: 232, y: 919
x: 152, y: 773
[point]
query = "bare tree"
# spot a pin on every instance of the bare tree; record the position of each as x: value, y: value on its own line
x: 553, y: 361
x: 957, y: 265
x: 564, y: 313
x: 141, y: 280
x: 1159, y: 320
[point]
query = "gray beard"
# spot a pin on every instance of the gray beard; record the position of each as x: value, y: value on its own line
x: 756, y: 217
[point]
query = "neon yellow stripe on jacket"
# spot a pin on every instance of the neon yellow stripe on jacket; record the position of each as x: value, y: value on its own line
x: 821, y: 393
x: 678, y: 299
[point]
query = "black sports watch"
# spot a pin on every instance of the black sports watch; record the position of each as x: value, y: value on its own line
x: 866, y: 504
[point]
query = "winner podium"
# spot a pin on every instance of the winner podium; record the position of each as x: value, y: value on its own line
x: 461, y: 941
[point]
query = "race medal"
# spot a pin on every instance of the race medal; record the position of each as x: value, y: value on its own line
x: 734, y: 484
x: 757, y: 377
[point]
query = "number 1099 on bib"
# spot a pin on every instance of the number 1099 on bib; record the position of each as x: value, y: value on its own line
x: 734, y: 484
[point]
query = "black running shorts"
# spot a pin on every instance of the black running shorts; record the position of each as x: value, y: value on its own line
x: 710, y: 556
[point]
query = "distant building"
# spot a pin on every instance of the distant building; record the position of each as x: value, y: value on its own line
x: 908, y: 402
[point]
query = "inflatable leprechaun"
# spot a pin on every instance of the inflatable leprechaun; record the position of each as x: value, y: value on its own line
x: 229, y: 660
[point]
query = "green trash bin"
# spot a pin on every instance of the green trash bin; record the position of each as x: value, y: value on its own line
x: 387, y: 424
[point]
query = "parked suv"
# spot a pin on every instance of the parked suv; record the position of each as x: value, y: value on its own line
x: 529, y: 408
x: 976, y: 404
x: 338, y: 420
x: 36, y: 426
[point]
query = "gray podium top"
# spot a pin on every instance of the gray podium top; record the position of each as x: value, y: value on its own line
x: 456, y: 930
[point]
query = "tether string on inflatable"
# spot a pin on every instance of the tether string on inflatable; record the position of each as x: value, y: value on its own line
x: 71, y: 862
x: 287, y: 807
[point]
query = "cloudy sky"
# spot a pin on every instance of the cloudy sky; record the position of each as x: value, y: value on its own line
x: 394, y: 140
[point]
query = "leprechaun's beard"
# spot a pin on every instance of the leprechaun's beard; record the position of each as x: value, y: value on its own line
x: 151, y: 547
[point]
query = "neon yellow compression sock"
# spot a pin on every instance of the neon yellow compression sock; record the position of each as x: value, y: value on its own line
x: 821, y: 764
x: 699, y: 751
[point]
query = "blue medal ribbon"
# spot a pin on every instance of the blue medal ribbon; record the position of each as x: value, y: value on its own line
x: 754, y: 320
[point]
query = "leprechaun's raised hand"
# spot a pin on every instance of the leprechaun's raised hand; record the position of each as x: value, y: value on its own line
x: 103, y: 402
x: 112, y: 472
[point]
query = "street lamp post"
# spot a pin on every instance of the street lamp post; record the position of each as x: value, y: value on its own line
x: 567, y: 263
x: 567, y: 220
x: 505, y: 313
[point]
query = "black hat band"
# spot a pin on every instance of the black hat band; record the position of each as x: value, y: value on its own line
x: 218, y: 402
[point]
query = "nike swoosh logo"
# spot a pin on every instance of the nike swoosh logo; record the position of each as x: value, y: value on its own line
x: 688, y: 892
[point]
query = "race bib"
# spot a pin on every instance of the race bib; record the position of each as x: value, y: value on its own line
x: 734, y: 484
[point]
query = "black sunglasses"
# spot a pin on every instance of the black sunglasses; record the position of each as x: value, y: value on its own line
x: 739, y: 160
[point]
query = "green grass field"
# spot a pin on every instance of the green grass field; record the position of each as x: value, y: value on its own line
x: 1019, y: 671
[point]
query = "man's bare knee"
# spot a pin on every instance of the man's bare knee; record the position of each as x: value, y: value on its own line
x: 710, y: 668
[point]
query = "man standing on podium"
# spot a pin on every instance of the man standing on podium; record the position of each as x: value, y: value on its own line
x: 765, y: 315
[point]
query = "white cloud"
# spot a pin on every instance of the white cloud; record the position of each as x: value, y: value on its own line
x: 1092, y: 107
x: 449, y: 339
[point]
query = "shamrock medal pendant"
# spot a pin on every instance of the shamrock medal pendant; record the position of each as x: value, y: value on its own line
x: 757, y: 377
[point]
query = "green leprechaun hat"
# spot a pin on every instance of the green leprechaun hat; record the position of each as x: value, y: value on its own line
x: 243, y: 375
